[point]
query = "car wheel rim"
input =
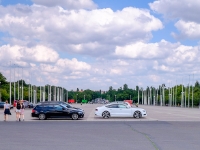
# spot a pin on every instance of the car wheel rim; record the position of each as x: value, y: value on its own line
x: 106, y: 114
x: 42, y: 116
x: 137, y: 114
x: 74, y: 116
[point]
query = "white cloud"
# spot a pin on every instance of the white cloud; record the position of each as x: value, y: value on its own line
x: 187, y: 10
x: 68, y: 30
x: 38, y: 53
x: 73, y: 64
x: 155, y: 78
x: 189, y: 30
x: 68, y: 4
x: 140, y: 50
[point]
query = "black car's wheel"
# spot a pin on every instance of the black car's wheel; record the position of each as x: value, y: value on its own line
x: 74, y: 116
x: 137, y: 114
x: 105, y: 114
x: 42, y: 116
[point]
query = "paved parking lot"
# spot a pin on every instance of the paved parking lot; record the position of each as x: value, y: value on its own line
x: 165, y: 128
x: 155, y: 113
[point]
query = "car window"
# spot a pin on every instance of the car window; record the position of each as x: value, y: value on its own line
x: 122, y: 106
x: 58, y: 107
x: 113, y: 106
x: 39, y: 106
x: 48, y: 106
x: 68, y: 106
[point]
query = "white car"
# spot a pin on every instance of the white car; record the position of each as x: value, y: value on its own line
x: 119, y: 110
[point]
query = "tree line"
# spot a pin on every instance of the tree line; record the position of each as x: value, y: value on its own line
x: 174, y: 96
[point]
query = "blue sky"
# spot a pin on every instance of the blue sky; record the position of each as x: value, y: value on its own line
x: 100, y: 43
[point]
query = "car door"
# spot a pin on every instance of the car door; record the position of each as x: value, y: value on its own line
x: 50, y: 111
x: 124, y: 111
x: 66, y: 110
x: 58, y: 111
x: 114, y: 110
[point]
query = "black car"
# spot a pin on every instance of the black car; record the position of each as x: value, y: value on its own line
x: 44, y: 111
x: 62, y: 103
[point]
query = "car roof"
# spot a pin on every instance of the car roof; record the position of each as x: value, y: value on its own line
x: 118, y: 102
x: 52, y: 102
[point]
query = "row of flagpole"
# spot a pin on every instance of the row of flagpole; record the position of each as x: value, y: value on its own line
x: 58, y: 93
x: 149, y: 99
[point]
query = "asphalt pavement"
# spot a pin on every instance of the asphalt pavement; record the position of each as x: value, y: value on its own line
x: 104, y: 135
x: 165, y: 128
x: 154, y: 113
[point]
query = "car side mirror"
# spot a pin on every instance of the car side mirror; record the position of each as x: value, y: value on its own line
x: 63, y: 108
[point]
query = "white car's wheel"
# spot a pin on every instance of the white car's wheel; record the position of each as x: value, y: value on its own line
x: 137, y: 114
x: 105, y: 114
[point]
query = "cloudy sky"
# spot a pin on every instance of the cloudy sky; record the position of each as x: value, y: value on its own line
x: 94, y: 44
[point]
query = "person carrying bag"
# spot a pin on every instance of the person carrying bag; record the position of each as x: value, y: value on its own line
x: 6, y: 111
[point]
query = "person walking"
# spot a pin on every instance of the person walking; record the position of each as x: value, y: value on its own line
x: 17, y: 110
x: 22, y: 109
x: 6, y: 111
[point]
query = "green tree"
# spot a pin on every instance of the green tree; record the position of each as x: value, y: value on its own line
x: 4, y: 95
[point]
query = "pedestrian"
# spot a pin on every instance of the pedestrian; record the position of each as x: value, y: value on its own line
x: 22, y: 109
x: 17, y: 110
x: 6, y: 111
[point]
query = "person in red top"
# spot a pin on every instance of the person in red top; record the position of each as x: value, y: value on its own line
x: 15, y: 103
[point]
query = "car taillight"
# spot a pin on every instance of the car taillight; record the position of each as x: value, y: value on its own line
x: 33, y: 111
x: 96, y: 109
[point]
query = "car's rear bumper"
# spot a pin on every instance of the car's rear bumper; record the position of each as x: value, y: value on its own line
x: 34, y: 115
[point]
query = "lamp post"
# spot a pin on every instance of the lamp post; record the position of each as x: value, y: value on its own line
x: 14, y: 82
x: 22, y: 85
x: 10, y: 82
x: 29, y: 92
x: 160, y: 100
x: 18, y: 83
x: 182, y: 99
x: 67, y: 96
x: 34, y: 96
x: 20, y: 92
x: 170, y: 100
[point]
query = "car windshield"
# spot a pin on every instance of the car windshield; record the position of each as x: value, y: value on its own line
x: 66, y: 105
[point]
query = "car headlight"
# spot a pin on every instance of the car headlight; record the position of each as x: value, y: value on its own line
x: 80, y: 112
